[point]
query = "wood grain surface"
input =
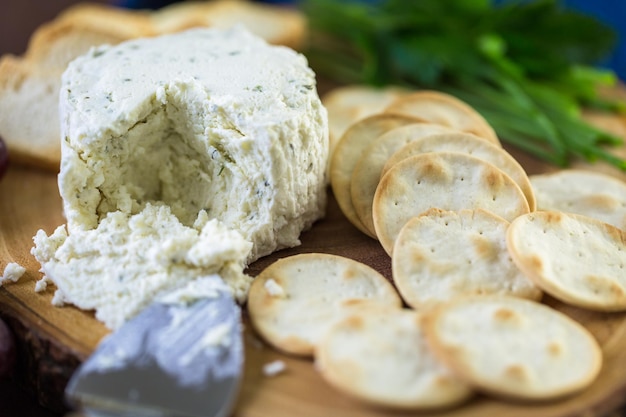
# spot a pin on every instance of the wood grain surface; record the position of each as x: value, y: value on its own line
x: 53, y: 341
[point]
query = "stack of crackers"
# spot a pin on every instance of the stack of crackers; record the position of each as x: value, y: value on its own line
x: 474, y: 242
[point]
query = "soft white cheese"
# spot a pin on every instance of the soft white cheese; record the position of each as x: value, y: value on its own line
x: 160, y: 135
x: 42, y: 284
x: 12, y: 272
x: 128, y: 260
x: 206, y: 119
x: 58, y: 300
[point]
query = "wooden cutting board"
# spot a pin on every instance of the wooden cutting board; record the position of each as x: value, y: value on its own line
x: 53, y: 341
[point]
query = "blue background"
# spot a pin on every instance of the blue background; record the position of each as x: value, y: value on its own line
x: 613, y: 14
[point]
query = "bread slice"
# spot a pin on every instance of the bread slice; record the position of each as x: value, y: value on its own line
x: 30, y: 84
x: 29, y: 113
x: 277, y: 25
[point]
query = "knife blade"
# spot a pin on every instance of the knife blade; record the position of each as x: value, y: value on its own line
x: 179, y: 357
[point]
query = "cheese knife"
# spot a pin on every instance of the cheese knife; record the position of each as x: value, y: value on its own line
x: 179, y: 357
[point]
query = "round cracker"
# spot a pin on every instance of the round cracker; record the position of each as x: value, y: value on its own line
x: 444, y: 180
x: 426, y: 274
x: 471, y: 145
x: 368, y: 170
x: 592, y: 194
x: 574, y: 258
x: 445, y: 109
x: 348, y: 151
x: 381, y: 357
x: 348, y: 104
x: 292, y: 301
x: 513, y: 347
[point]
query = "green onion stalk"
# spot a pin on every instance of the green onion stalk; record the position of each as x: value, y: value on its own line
x: 527, y: 66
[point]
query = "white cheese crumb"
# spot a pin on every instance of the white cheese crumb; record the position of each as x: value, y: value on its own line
x: 274, y: 368
x: 274, y: 289
x: 42, y: 284
x: 12, y: 272
x: 58, y: 300
x: 123, y: 264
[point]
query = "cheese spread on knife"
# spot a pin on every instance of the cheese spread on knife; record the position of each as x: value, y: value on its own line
x: 166, y: 132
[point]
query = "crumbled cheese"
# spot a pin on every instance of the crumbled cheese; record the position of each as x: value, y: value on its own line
x: 42, y: 284
x: 274, y: 289
x: 12, y: 272
x: 274, y: 368
x: 119, y: 267
x: 58, y: 300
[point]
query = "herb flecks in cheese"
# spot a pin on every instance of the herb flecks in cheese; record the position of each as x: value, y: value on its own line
x: 242, y: 136
x: 128, y: 260
x: 181, y: 158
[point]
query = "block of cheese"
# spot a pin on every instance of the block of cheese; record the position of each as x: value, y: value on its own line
x: 183, y: 155
x: 206, y: 119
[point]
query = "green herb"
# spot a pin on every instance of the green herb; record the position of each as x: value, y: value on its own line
x: 527, y: 67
